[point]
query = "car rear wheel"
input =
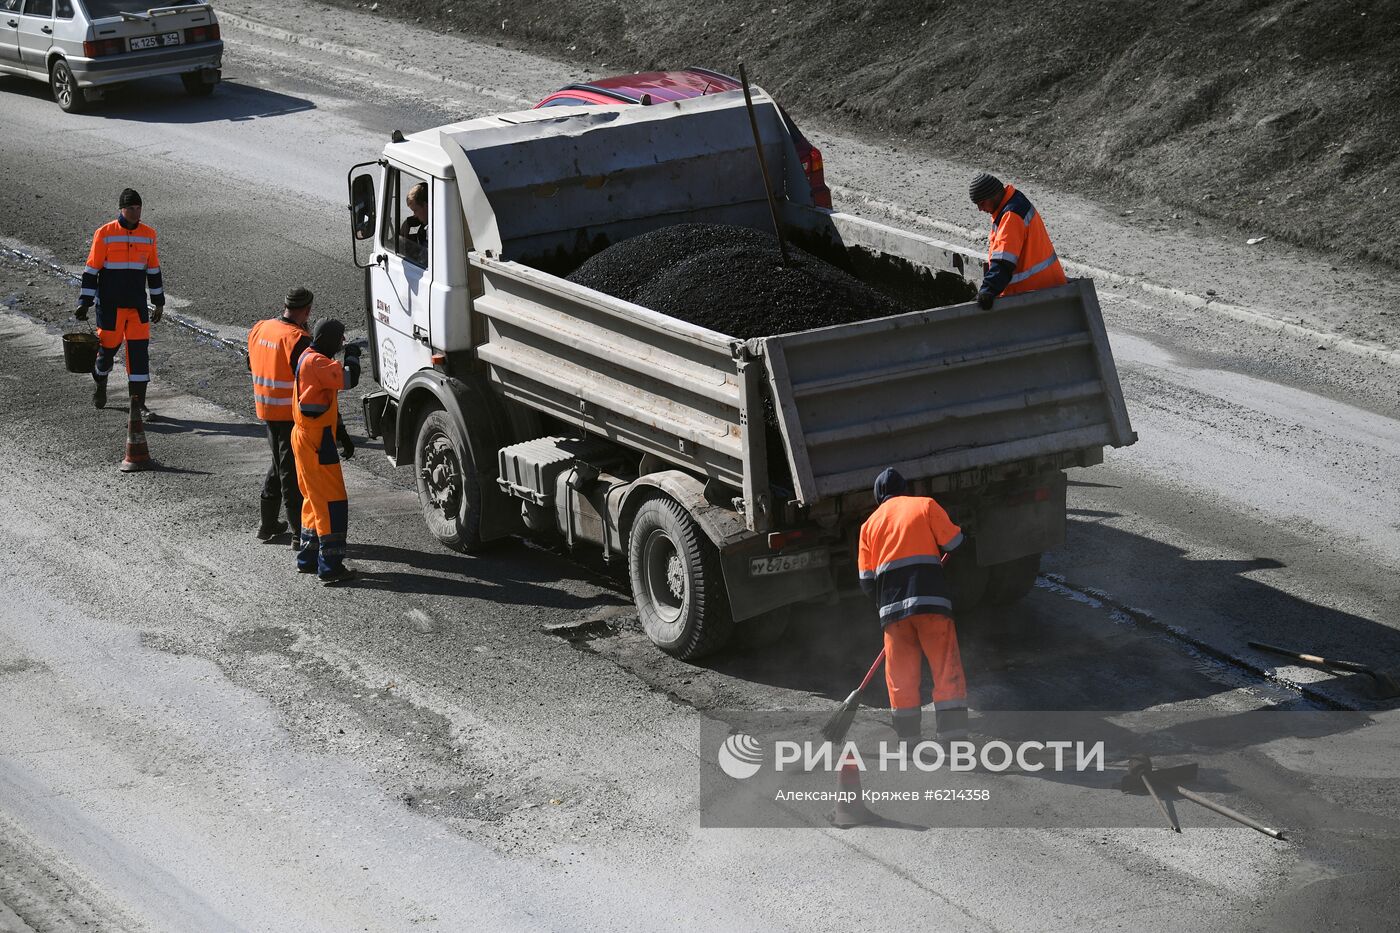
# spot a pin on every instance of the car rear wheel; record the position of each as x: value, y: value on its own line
x: 65, y: 87
x: 195, y: 84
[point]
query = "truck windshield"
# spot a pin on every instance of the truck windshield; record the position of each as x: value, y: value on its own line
x: 101, y: 9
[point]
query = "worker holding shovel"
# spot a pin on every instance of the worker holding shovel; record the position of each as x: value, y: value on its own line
x: 901, y: 566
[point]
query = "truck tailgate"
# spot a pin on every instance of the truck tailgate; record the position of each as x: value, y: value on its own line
x: 935, y: 392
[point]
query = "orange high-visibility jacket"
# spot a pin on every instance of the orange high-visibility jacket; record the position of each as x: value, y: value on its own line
x: 272, y: 356
x: 900, y: 549
x: 1020, y: 256
x: 122, y: 266
x: 319, y: 380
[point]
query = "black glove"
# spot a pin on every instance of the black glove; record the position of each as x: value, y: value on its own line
x: 354, y: 349
x: 157, y: 312
x: 347, y: 446
x: 984, y: 300
x: 81, y: 313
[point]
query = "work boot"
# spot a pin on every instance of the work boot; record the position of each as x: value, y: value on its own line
x: 296, y: 538
x: 908, y: 726
x: 138, y: 393
x: 99, y: 391
x: 271, y: 525
x: 951, y: 724
x: 341, y: 574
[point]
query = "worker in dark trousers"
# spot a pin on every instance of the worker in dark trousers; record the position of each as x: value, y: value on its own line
x: 1020, y: 256
x: 123, y: 266
x: 274, y: 347
x: 325, y: 510
x: 900, y: 566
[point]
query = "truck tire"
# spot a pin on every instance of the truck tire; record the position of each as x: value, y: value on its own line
x: 448, y: 490
x: 966, y: 577
x: 1009, y: 581
x: 65, y: 87
x: 676, y: 582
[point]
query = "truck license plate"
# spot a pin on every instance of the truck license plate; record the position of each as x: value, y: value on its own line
x: 151, y: 42
x: 786, y: 563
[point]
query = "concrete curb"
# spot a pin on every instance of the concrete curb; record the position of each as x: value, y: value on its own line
x: 1256, y: 316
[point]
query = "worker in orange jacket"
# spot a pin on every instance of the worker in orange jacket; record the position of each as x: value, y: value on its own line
x: 274, y: 346
x: 1020, y: 256
x: 900, y: 564
x: 325, y: 509
x: 123, y: 266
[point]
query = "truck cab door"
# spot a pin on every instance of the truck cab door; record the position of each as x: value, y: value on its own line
x: 400, y: 280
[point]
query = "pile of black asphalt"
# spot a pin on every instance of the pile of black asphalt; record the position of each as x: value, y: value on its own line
x: 731, y: 280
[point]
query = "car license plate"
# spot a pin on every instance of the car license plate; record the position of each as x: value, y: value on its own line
x: 152, y: 42
x: 787, y: 563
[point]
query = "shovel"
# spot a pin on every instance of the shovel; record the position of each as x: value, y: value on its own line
x: 1383, y: 685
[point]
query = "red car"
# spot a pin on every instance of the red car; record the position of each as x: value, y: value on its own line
x: 660, y: 86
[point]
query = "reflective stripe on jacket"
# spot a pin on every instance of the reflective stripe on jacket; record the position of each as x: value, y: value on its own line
x: 900, y: 549
x: 122, y: 267
x: 1020, y: 256
x: 272, y: 354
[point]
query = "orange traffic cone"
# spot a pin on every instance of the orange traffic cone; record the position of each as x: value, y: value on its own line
x: 850, y: 808
x: 138, y: 457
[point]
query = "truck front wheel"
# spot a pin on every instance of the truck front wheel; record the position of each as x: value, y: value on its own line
x: 1007, y: 582
x: 676, y: 582
x: 448, y: 489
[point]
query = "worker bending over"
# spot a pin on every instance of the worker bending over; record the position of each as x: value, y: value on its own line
x: 1020, y: 256
x: 325, y: 510
x: 901, y: 567
x: 122, y: 267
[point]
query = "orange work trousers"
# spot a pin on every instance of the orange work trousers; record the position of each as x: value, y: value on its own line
x: 325, y: 511
x: 935, y: 635
x: 125, y: 324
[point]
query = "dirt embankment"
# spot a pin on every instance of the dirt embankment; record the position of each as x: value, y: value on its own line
x: 1280, y: 115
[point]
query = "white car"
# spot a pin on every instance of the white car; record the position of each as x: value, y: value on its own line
x: 81, y: 47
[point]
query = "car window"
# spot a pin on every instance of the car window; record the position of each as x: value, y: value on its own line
x: 64, y: 10
x: 38, y: 8
x: 566, y: 102
x: 101, y: 9
x: 9, y: 6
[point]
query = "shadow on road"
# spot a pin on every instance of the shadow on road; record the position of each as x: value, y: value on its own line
x: 164, y: 100
x: 509, y: 574
x: 1057, y: 651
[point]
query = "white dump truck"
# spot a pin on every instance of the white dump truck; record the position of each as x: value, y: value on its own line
x: 730, y: 475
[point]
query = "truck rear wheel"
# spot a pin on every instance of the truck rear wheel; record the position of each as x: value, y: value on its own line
x: 1007, y: 582
x: 676, y: 582
x: 448, y: 488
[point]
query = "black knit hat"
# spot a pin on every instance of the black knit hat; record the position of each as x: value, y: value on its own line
x: 986, y: 186
x: 329, y: 337
x: 130, y: 198
x: 298, y: 297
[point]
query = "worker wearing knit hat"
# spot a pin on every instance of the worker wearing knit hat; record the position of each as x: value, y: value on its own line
x: 1020, y: 256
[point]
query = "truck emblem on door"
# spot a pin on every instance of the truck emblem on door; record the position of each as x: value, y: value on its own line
x: 388, y: 366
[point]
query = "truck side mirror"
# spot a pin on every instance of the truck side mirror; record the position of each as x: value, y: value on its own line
x: 362, y: 206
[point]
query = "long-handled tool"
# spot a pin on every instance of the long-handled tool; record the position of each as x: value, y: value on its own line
x: 1383, y: 685
x: 840, y: 723
x: 1142, y: 776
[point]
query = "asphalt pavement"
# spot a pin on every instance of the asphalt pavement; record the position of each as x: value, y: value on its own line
x: 195, y: 737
